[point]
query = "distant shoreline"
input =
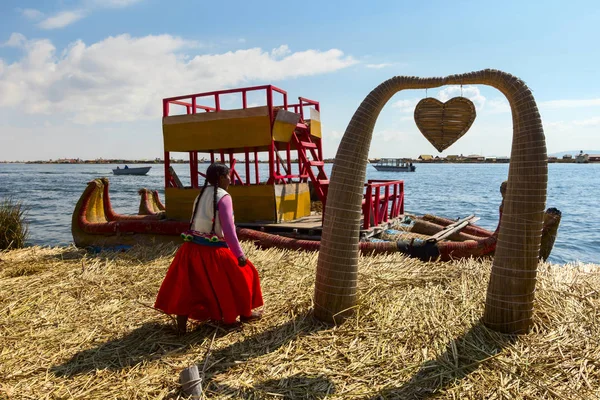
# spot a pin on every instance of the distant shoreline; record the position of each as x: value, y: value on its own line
x: 327, y: 161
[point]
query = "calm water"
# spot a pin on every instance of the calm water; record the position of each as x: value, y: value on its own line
x: 450, y: 190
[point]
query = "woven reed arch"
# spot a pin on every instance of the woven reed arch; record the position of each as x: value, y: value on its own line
x: 509, y: 300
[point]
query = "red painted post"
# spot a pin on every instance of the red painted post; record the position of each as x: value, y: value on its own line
x: 165, y: 108
x: 194, y: 105
x: 376, y: 207
x: 272, y: 144
x: 232, y: 166
x: 394, y: 211
x: 247, y: 161
x: 368, y: 207
x: 217, y: 103
x: 289, y: 161
x: 256, y: 166
x: 386, y: 202
x: 193, y: 169
x: 319, y: 141
x: 401, y: 211
x: 212, y: 156
x: 277, y: 167
x: 244, y: 100
x: 167, y: 174
x: 222, y: 156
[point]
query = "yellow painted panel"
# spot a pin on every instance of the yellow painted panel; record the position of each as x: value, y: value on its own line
x: 315, y: 128
x: 284, y: 125
x: 179, y: 203
x: 315, y: 123
x: 217, y: 130
x: 95, y: 211
x: 292, y: 200
x: 253, y: 203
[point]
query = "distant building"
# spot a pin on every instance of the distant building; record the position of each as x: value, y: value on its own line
x: 582, y: 158
x: 594, y: 158
x: 475, y: 157
x: 567, y: 157
x: 502, y: 159
x: 452, y: 157
x: 426, y: 157
x: 552, y: 159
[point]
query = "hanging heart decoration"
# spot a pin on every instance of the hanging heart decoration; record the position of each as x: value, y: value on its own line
x: 444, y: 123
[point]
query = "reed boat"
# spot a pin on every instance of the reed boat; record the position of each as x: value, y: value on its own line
x: 428, y: 237
x: 276, y: 210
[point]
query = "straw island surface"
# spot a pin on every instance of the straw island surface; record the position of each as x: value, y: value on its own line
x: 81, y: 325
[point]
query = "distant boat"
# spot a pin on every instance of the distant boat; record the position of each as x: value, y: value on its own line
x: 131, y: 171
x: 394, y: 165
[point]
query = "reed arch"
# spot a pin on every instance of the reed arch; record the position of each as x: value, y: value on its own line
x: 510, y: 294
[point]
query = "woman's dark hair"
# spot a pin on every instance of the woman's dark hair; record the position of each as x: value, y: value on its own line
x: 214, y: 172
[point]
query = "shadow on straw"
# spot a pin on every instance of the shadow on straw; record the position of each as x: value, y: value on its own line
x: 149, y: 342
x: 297, y: 386
x: 153, y: 341
x: 462, y: 357
x: 263, y: 343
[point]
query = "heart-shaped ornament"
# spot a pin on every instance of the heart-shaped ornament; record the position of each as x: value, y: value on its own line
x: 444, y: 123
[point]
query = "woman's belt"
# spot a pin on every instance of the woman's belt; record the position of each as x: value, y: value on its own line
x: 204, y: 239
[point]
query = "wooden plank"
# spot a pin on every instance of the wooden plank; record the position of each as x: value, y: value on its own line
x: 452, y: 228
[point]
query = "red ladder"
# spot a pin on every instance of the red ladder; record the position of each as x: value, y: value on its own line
x: 306, y: 146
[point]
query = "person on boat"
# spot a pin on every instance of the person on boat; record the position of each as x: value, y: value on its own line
x: 126, y: 167
x: 210, y: 277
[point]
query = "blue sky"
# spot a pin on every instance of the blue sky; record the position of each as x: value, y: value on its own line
x: 85, y: 78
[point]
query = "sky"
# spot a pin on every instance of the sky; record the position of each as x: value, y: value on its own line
x: 85, y: 78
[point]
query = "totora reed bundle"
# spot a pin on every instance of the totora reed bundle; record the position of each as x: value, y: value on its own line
x: 81, y: 325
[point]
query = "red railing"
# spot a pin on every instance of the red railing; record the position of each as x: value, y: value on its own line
x: 379, y: 207
x: 192, y: 105
x: 190, y: 101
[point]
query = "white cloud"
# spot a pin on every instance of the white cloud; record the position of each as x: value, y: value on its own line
x: 337, y: 135
x: 388, y: 135
x: 470, y: 92
x: 62, y: 19
x: 379, y: 66
x: 15, y: 40
x: 594, y: 121
x: 406, y: 106
x: 124, y: 78
x: 497, y: 105
x: 67, y: 17
x: 554, y: 104
x: 115, y: 3
x: 500, y: 105
x: 32, y: 13
x: 281, y: 51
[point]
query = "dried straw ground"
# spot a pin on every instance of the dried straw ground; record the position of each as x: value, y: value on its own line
x: 79, y: 325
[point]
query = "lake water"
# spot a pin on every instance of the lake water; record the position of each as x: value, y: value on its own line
x: 450, y: 190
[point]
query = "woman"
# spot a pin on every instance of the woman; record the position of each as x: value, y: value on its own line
x: 210, y: 277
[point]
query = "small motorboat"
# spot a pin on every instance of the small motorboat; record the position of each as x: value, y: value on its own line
x: 394, y: 165
x: 131, y: 171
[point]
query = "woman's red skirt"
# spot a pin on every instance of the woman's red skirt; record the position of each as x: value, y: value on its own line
x: 205, y: 282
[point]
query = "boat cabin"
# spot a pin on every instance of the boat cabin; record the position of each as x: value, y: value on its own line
x: 263, y: 131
